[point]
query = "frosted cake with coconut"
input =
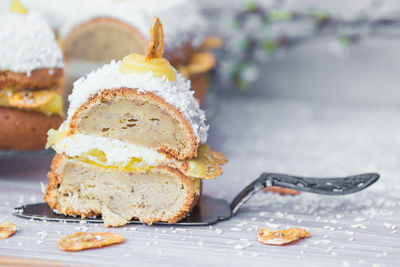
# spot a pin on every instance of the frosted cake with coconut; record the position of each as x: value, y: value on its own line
x: 31, y: 72
x: 132, y: 144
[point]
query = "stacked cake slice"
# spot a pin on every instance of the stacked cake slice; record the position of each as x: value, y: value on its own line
x: 31, y: 72
x: 132, y: 145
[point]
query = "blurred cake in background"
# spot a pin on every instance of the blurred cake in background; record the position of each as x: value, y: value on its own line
x: 94, y: 32
x: 31, y: 73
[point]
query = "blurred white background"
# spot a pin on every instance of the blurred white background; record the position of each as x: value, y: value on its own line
x: 367, y: 73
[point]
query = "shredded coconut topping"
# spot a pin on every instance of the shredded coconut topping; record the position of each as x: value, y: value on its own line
x: 27, y: 43
x: 177, y: 93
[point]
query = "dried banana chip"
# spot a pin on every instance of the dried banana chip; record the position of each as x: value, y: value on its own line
x: 156, y: 46
x: 7, y: 229
x: 80, y: 241
x: 205, y: 166
x: 212, y: 161
x: 281, y: 237
x: 211, y: 42
x: 201, y: 62
x: 281, y: 190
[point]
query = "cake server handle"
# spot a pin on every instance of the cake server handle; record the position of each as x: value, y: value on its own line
x: 325, y: 186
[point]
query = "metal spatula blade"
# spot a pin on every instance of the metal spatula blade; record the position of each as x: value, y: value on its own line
x: 212, y: 210
x: 209, y: 211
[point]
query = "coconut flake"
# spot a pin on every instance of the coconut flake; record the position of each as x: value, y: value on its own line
x: 27, y: 43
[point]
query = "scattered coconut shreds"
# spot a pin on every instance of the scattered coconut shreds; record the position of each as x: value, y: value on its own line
x: 281, y: 190
x: 80, y: 241
x: 7, y: 229
x: 281, y: 237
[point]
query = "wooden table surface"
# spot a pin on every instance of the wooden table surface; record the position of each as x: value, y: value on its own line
x: 256, y: 135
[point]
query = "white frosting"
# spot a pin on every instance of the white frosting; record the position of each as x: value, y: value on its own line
x: 177, y: 93
x: 27, y: 43
x: 181, y: 18
x: 118, y: 153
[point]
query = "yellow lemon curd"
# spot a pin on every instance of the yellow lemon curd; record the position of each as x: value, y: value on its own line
x: 17, y: 8
x: 160, y: 67
x: 45, y: 101
x: 153, y: 60
x: 98, y: 158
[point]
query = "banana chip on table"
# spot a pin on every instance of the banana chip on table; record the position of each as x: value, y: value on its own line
x: 7, y: 229
x: 80, y: 241
x: 281, y: 237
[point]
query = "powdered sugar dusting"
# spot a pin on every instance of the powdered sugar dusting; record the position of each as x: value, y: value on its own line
x: 27, y: 43
x: 177, y: 93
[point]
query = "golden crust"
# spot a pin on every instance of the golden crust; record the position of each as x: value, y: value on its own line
x: 51, y: 193
x: 38, y: 79
x: 110, y: 94
x: 25, y: 130
x: 190, y: 200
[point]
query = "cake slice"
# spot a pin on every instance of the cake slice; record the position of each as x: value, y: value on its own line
x: 161, y: 193
x: 31, y: 72
x: 132, y: 145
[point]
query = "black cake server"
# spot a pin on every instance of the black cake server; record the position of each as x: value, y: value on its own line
x: 211, y: 210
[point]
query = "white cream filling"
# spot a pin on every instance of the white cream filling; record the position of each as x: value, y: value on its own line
x: 118, y: 153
